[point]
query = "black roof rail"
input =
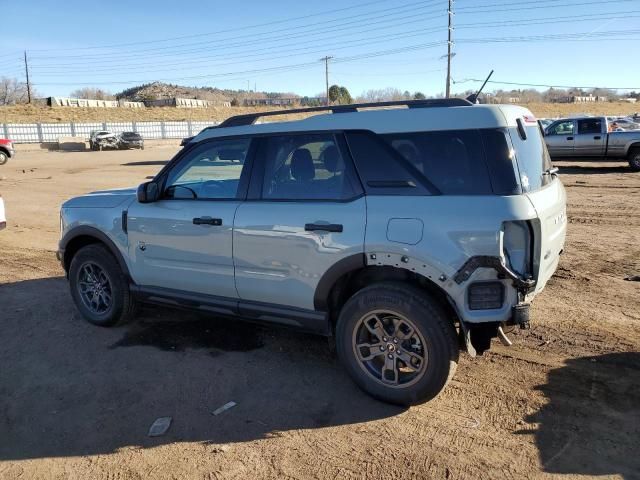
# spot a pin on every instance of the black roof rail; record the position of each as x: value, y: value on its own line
x: 250, y: 118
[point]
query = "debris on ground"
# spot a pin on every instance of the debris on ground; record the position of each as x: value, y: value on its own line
x: 632, y: 278
x: 159, y: 427
x: 224, y: 408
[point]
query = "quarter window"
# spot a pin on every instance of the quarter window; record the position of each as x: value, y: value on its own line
x: 452, y: 160
x: 209, y: 171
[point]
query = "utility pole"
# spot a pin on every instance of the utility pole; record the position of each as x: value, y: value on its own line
x: 26, y: 70
x: 449, y: 45
x: 326, y: 75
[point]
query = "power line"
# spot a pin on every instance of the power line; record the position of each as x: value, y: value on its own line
x: 199, y: 61
x: 278, y: 68
x: 544, y: 85
x: 235, y: 29
x: 537, y: 6
x: 410, y: 8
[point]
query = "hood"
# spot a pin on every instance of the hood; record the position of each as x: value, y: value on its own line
x: 102, y: 199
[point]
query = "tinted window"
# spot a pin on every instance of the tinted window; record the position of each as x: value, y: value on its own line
x: 532, y: 157
x: 501, y: 162
x: 591, y: 125
x: 452, y: 160
x: 382, y: 170
x: 209, y: 171
x: 305, y: 167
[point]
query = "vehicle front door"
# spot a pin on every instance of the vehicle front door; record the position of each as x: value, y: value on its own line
x: 560, y: 138
x: 590, y: 138
x: 184, y: 240
x: 305, y: 213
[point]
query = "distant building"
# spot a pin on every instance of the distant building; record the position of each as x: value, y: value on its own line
x: 581, y: 99
x: 630, y: 100
x: 91, y: 103
x: 184, y: 103
x: 278, y: 102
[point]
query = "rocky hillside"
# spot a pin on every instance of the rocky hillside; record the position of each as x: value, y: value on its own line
x: 158, y: 90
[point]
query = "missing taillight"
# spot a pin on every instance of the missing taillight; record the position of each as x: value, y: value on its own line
x: 517, y: 246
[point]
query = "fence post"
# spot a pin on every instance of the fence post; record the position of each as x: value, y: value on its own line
x: 163, y: 132
x: 73, y: 129
x: 39, y: 129
x: 5, y: 128
x: 189, y: 129
x: 104, y: 125
x: 134, y: 125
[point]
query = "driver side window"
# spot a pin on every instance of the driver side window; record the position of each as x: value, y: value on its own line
x: 562, y: 128
x: 209, y: 171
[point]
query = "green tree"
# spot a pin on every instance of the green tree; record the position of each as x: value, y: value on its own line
x: 339, y: 95
x: 419, y: 96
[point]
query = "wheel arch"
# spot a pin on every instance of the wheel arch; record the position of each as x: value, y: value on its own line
x: 81, y: 237
x: 352, y: 274
x: 634, y: 145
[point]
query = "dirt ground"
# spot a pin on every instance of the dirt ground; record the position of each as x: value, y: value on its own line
x: 76, y: 401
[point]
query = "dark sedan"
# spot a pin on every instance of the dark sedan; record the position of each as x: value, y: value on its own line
x: 131, y: 140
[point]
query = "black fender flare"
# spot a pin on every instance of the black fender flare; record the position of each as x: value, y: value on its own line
x: 88, y: 231
x: 348, y: 264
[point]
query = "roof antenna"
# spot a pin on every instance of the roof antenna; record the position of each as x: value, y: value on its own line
x: 473, y: 98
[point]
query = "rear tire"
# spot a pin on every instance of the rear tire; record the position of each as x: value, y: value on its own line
x: 99, y: 287
x: 634, y: 159
x: 417, y: 354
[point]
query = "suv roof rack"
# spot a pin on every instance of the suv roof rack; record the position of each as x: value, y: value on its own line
x: 250, y: 118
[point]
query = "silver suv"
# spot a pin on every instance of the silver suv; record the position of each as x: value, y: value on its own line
x: 402, y: 233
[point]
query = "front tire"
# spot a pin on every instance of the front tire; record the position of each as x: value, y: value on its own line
x: 397, y: 343
x: 99, y: 287
x: 634, y: 159
x: 4, y: 158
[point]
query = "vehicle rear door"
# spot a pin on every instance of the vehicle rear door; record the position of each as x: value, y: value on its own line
x: 184, y: 241
x: 305, y: 214
x: 560, y: 138
x: 547, y: 195
x: 590, y: 139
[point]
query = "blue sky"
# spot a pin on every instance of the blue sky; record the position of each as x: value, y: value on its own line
x: 276, y: 45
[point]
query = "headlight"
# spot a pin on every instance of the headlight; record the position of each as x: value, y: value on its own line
x: 516, y: 246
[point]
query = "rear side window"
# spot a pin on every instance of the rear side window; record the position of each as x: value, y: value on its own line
x: 453, y: 160
x: 532, y: 157
x: 591, y: 125
x: 305, y: 167
x: 382, y: 170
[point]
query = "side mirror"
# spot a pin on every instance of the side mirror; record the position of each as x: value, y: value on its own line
x: 148, y: 192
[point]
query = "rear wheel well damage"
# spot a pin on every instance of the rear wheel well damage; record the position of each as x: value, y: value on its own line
x: 353, y: 281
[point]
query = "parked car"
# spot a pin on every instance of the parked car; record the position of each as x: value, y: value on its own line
x: 591, y: 137
x: 6, y: 150
x: 627, y: 124
x: 400, y: 233
x: 131, y: 140
x: 102, y: 139
x: 3, y: 218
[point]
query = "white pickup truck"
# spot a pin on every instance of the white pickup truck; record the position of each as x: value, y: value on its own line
x: 589, y: 137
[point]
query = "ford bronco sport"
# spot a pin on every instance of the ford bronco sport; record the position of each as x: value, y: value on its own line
x: 403, y: 233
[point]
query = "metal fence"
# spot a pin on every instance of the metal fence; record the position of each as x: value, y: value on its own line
x: 51, y: 132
